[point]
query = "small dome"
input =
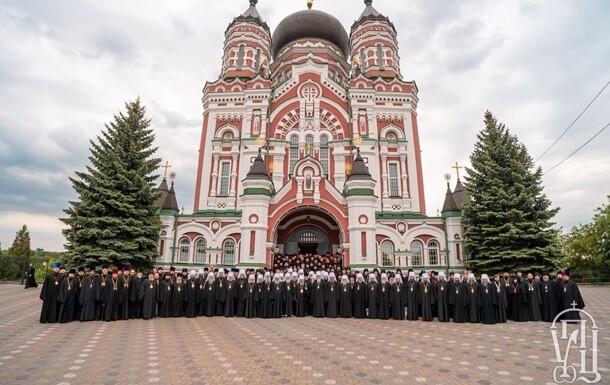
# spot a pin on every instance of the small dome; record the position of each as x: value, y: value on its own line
x: 310, y: 23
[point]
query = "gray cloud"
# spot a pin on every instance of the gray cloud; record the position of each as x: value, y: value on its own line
x: 66, y: 67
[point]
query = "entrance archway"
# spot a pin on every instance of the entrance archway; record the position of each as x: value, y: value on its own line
x: 307, y: 230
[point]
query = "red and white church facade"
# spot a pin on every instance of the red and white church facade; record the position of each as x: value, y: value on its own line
x: 310, y: 143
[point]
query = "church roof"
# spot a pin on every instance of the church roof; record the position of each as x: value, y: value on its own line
x: 449, y: 204
x: 460, y: 195
x: 370, y: 13
x: 163, y: 190
x: 310, y: 23
x: 171, y: 203
x: 251, y: 15
x: 258, y: 170
x: 359, y: 169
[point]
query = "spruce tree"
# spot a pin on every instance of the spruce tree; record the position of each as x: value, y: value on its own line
x: 508, y: 219
x: 114, y: 220
x: 21, y: 245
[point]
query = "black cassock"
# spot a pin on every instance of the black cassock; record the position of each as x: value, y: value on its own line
x: 87, y: 298
x: 533, y: 300
x: 103, y: 289
x: 221, y: 287
x: 30, y: 277
x: 242, y: 292
x: 276, y: 298
x: 412, y: 288
x: 124, y: 284
x: 359, y: 300
x: 488, y: 299
x: 441, y: 292
x: 190, y: 297
x: 501, y: 304
x: 398, y: 299
x: 345, y: 301
x: 230, y: 298
x: 519, y: 311
x: 149, y: 291
x: 48, y: 295
x: 317, y: 298
x: 426, y: 300
x: 266, y: 304
x: 301, y: 297
x: 474, y: 302
x: 549, y: 293
x: 570, y: 298
x: 165, y: 298
x: 209, y: 299
x: 332, y: 299
x: 67, y: 299
x: 112, y: 299
x: 383, y: 309
x: 288, y: 289
x: 200, y: 286
x: 250, y: 300
x: 135, y: 306
x: 178, y: 299
x: 372, y: 299
x: 507, y: 287
x: 77, y: 288
x: 458, y: 299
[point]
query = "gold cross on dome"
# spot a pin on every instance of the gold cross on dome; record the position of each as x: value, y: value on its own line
x: 309, y: 4
x: 165, y: 167
x: 457, y: 168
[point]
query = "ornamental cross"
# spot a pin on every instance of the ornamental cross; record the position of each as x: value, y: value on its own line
x: 457, y: 168
x: 574, y: 304
x: 165, y: 167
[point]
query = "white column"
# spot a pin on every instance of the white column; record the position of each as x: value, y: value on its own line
x: 384, y: 176
x: 214, y: 174
x: 403, y: 175
x: 233, y: 174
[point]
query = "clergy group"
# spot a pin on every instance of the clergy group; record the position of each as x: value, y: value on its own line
x: 112, y: 294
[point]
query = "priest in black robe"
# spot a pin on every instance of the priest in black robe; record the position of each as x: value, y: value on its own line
x: 135, y: 306
x: 220, y: 292
x: 66, y: 297
x: 398, y: 298
x: 412, y: 288
x: 260, y: 286
x: 267, y: 297
x: 103, y: 292
x: 345, y: 298
x: 372, y: 296
x: 209, y: 295
x: 178, y: 297
x: 571, y: 298
x: 249, y: 298
x: 288, y: 289
x: 534, y: 298
x: 301, y: 297
x: 383, y: 307
x: 48, y: 295
x: 124, y: 284
x: 277, y: 295
x: 30, y: 276
x: 426, y: 298
x: 519, y: 311
x: 458, y: 299
x: 165, y: 297
x: 359, y: 297
x: 80, y: 276
x: 549, y: 294
x: 317, y: 297
x: 87, y: 297
x: 112, y: 298
x: 230, y: 295
x: 441, y: 294
x: 501, y: 305
x: 332, y: 296
x: 148, y: 296
x: 190, y: 295
x: 488, y: 299
x: 241, y: 288
x: 201, y: 279
x: 474, y: 300
x: 506, y: 282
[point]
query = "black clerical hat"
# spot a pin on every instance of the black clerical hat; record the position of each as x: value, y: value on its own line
x: 81, y: 268
x: 185, y: 270
x: 72, y: 271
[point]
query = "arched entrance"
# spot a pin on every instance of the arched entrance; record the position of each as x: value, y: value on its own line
x: 307, y: 230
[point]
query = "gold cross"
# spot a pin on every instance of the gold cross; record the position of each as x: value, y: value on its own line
x: 309, y: 4
x: 457, y: 168
x: 165, y: 167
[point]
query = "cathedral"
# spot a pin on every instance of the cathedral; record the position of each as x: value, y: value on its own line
x: 310, y: 145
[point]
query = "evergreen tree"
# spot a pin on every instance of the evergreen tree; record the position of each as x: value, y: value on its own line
x: 21, y: 245
x: 508, y: 219
x: 114, y: 220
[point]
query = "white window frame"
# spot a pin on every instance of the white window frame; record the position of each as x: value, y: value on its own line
x: 293, y: 152
x: 436, y: 249
x: 324, y: 153
x: 199, y: 254
x: 225, y: 243
x: 224, y: 180
x: 387, y: 253
x: 394, y: 179
x: 421, y: 253
x: 184, y: 249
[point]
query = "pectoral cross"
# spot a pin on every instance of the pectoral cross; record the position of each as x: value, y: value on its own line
x: 574, y: 304
x: 165, y: 167
x: 457, y: 168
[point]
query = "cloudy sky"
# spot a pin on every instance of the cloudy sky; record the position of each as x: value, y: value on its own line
x: 67, y: 66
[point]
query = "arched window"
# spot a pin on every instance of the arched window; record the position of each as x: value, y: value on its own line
x: 200, y: 246
x: 387, y: 253
x: 294, y: 151
x: 228, y: 252
x: 185, y: 248
x: 308, y: 237
x: 393, y: 174
x: 417, y: 251
x: 392, y: 137
x: 227, y: 136
x: 433, y: 252
x: 324, y: 153
x: 309, y: 145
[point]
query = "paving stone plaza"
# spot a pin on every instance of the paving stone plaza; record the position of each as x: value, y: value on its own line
x: 308, y: 350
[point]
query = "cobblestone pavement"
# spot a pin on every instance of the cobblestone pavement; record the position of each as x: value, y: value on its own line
x: 283, y: 351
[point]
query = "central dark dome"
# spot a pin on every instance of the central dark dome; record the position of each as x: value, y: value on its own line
x: 310, y: 23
